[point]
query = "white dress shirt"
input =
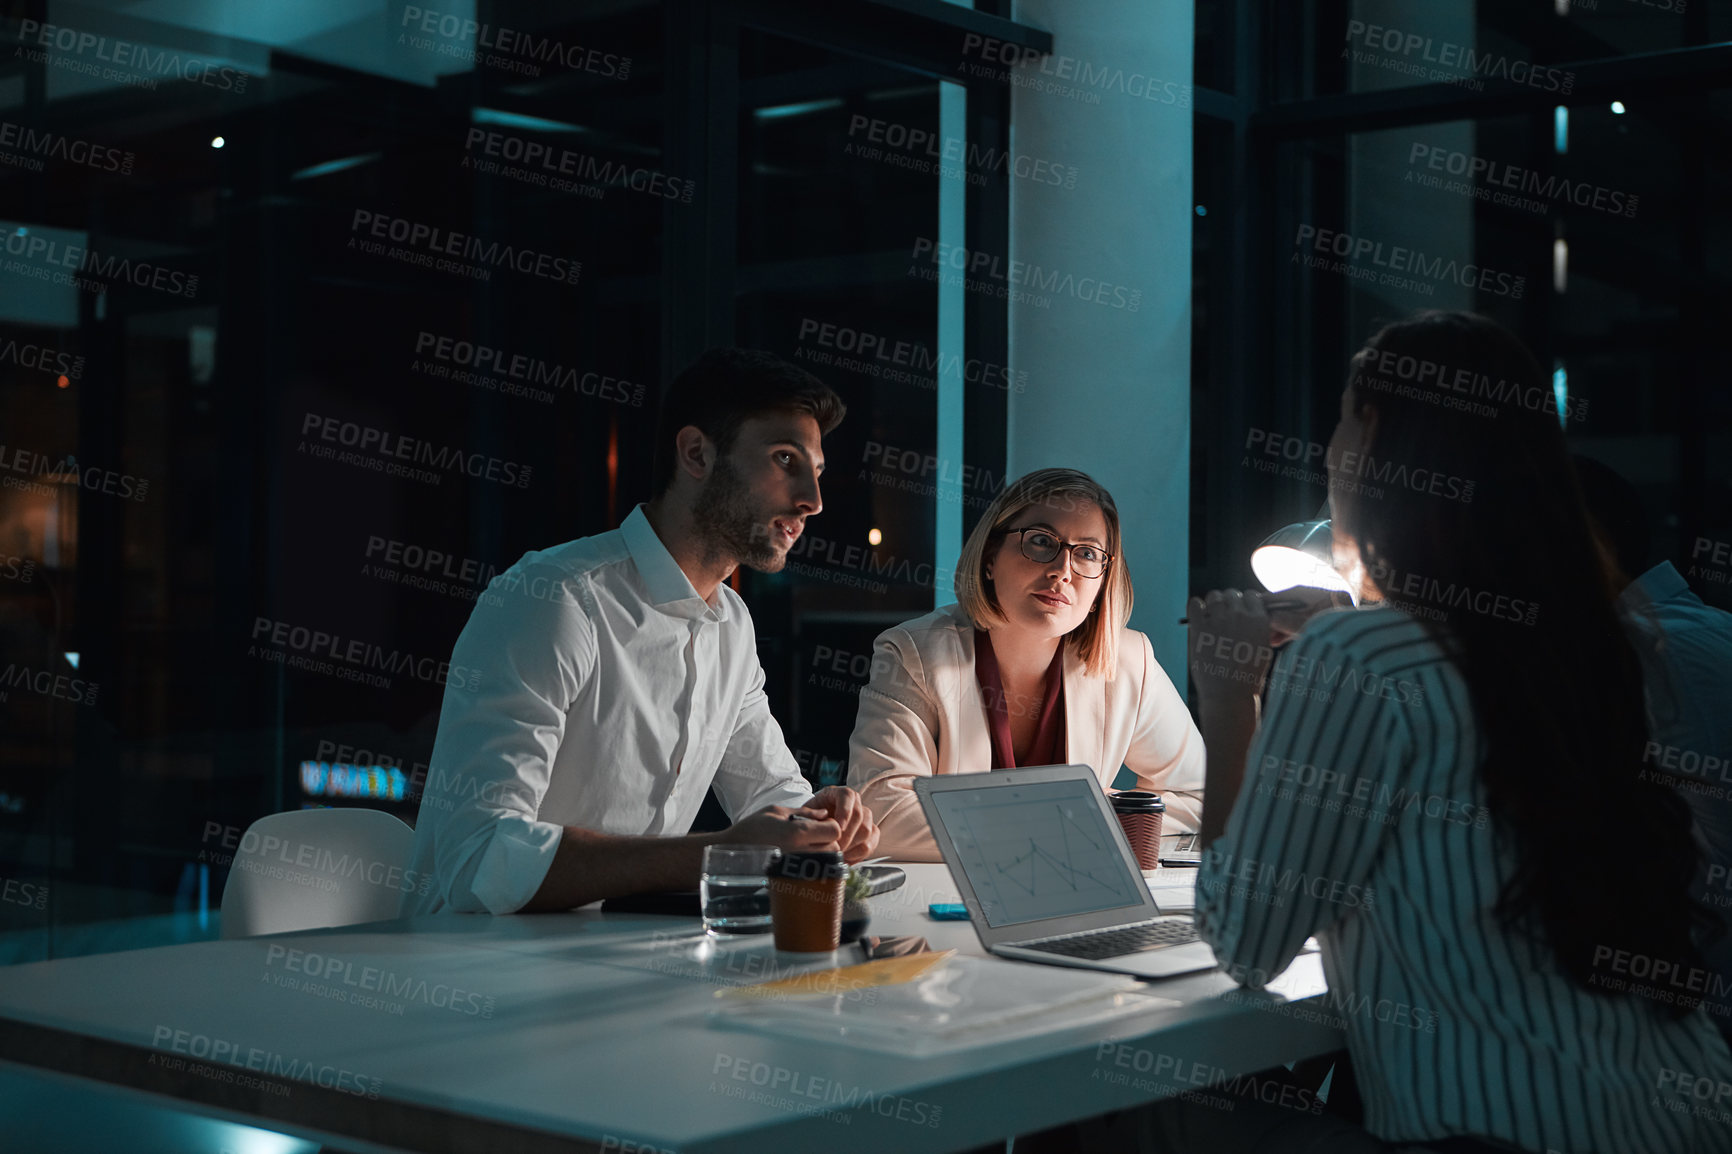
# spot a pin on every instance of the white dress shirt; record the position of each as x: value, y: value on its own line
x: 1686, y: 651
x: 611, y: 697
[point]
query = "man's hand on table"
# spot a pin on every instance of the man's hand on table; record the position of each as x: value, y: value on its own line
x: 789, y: 830
x: 857, y: 833
x: 835, y: 819
x: 590, y: 866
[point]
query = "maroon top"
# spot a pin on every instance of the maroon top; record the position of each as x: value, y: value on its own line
x: 1048, y: 745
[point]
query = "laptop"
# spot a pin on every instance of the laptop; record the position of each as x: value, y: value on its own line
x: 1047, y: 875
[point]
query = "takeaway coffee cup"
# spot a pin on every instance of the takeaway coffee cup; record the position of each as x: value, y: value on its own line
x: 806, y: 902
x: 1139, y: 815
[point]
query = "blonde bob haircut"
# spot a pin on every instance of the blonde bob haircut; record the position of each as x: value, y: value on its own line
x: 1096, y: 640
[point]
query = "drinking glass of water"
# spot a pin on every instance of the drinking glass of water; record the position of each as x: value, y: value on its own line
x: 735, y: 890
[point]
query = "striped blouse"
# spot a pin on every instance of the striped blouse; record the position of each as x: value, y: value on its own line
x: 1362, y: 821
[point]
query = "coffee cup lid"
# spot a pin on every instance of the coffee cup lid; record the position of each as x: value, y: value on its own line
x: 817, y: 865
x: 1138, y: 801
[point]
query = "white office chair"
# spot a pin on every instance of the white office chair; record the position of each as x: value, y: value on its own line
x: 315, y: 868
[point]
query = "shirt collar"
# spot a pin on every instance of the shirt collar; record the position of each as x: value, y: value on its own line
x: 1661, y: 583
x: 669, y: 589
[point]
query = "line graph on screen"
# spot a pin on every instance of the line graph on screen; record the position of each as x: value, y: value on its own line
x: 1040, y: 856
x: 1037, y: 870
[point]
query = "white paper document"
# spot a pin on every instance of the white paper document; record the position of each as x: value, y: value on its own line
x: 965, y: 1003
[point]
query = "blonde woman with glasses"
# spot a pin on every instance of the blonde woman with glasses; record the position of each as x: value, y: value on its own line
x: 1033, y: 665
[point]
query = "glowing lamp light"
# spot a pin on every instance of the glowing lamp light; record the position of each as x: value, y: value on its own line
x: 1298, y: 554
x: 874, y: 537
x: 217, y: 142
x: 63, y: 382
x: 1618, y: 108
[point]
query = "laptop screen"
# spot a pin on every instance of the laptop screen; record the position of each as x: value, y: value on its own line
x: 1037, y: 850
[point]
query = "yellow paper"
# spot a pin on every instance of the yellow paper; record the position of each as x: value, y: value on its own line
x: 884, y: 972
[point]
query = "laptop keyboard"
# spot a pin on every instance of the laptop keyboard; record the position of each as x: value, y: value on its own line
x: 1098, y: 944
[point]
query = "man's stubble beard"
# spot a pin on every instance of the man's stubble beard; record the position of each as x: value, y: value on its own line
x: 731, y: 526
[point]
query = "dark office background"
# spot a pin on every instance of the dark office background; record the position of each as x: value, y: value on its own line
x: 262, y: 224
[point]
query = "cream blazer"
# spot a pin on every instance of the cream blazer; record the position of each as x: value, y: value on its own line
x: 921, y: 713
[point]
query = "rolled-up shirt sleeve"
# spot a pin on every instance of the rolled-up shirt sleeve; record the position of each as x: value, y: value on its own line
x: 527, y: 652
x: 1293, y: 859
x: 895, y: 741
x: 757, y: 770
x: 1166, y: 750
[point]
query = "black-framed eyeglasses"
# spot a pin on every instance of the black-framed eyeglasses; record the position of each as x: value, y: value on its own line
x: 1042, y: 545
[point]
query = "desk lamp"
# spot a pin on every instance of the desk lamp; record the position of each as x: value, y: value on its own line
x: 1299, y: 554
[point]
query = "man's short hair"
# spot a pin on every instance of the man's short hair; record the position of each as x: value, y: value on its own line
x: 1615, y: 507
x: 723, y: 389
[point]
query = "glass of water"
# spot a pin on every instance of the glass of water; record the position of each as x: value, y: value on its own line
x: 735, y: 889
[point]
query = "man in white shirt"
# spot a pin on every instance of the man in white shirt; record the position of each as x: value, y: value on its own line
x: 619, y: 679
x: 1685, y: 647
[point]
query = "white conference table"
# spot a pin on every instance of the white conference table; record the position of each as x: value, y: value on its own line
x: 588, y: 1031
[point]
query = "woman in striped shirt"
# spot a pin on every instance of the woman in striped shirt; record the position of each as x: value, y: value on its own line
x: 1436, y: 788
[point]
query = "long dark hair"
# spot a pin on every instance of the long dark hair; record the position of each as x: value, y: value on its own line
x: 1466, y: 514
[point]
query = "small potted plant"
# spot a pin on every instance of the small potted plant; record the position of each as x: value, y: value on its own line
x: 855, y: 914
